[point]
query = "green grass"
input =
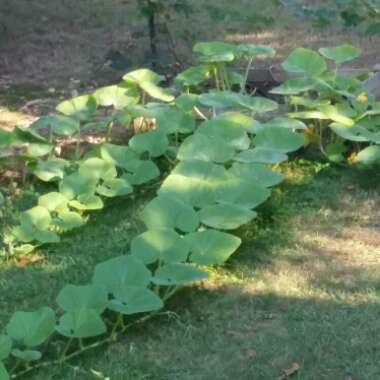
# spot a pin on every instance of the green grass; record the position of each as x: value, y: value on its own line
x: 303, y: 288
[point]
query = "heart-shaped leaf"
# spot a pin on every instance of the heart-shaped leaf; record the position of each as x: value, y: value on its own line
x: 132, y: 300
x: 305, y: 61
x: 141, y: 171
x: 262, y: 156
x: 87, y: 202
x: 193, y: 76
x: 68, y: 220
x: 295, y: 86
x: 81, y: 107
x: 161, y: 244
x: 50, y: 170
x: 37, y: 217
x: 121, y: 271
x: 118, y: 155
x: 175, y: 274
x: 369, y: 155
x: 31, y: 328
x: 98, y: 168
x: 53, y: 201
x: 257, y: 173
x: 114, y: 188
x: 154, y: 142
x: 118, y: 96
x: 225, y: 216
x: 211, y: 247
x: 340, y: 54
x: 216, y: 52
x: 83, y: 323
x: 77, y: 184
x: 59, y: 125
x: 74, y: 298
x: 168, y: 212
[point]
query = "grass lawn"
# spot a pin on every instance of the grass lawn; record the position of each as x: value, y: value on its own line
x: 304, y: 288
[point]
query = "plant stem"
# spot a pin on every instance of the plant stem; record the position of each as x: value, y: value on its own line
x: 246, y: 76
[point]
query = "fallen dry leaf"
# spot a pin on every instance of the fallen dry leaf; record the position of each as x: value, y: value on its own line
x: 295, y: 367
x: 27, y: 260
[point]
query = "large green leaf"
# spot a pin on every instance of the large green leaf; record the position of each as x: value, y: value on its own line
x: 175, y: 274
x: 53, y: 201
x: 50, y: 170
x: 260, y: 155
x: 226, y: 131
x: 161, y: 244
x: 305, y: 61
x: 216, y: 52
x: 98, y: 168
x: 356, y: 133
x: 168, y: 212
x: 295, y: 86
x: 132, y: 300
x: 174, y: 121
x: 204, y: 147
x: 234, y: 119
x: 74, y: 298
x: 194, y: 182
x: 114, y: 188
x: 156, y: 92
x: 31, y: 328
x: 59, y: 125
x: 38, y: 217
x: 82, y: 323
x: 194, y: 76
x: 87, y: 202
x: 256, y: 49
x: 340, y: 54
x: 141, y: 171
x: 77, y: 184
x: 242, y: 191
x: 280, y: 140
x: 5, y: 346
x: 121, y: 271
x: 68, y: 220
x: 225, y: 216
x: 82, y: 107
x: 117, y: 96
x: 257, y: 173
x: 212, y: 247
x: 154, y: 142
x: 118, y: 155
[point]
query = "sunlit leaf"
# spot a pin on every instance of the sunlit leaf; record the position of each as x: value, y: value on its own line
x: 175, y: 274
x: 305, y: 61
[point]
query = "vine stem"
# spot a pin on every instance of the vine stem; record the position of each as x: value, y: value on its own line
x: 246, y: 76
x: 111, y: 338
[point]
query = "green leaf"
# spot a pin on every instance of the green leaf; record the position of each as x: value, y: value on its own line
x: 77, y: 184
x: 241, y: 191
x: 24, y: 249
x: 216, y: 52
x: 257, y: 173
x: 205, y: 148
x: 83, y: 323
x: 225, y: 216
x: 172, y: 121
x: 73, y: 298
x: 156, y: 92
x: 82, y: 107
x: 335, y: 152
x: 227, y: 132
x: 283, y: 122
x: 194, y: 182
x: 194, y: 76
x: 68, y: 220
x: 253, y: 50
x: 154, y: 142
x: 27, y: 355
x: 121, y: 271
x: 98, y: 168
x: 5, y: 347
x: 60, y: 125
x: 50, y: 170
x: 161, y: 244
x: 31, y: 328
x: 186, y: 102
x: 305, y: 61
x: 295, y: 86
x: 37, y: 217
x: 3, y: 372
x: 114, y: 188
x: 356, y: 133
x: 46, y: 237
x: 142, y: 75
x: 369, y: 155
x: 141, y: 171
x: 175, y: 274
x: 340, y: 54
x: 133, y: 300
x: 211, y: 247
x: 87, y: 202
x: 234, y: 119
x: 168, y: 212
x: 53, y: 201
x: 118, y: 96
x: 38, y: 150
x: 262, y: 156
x: 118, y: 155
x: 280, y: 140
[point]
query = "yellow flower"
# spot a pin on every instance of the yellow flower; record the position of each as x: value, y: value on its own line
x: 353, y: 158
x: 362, y: 98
